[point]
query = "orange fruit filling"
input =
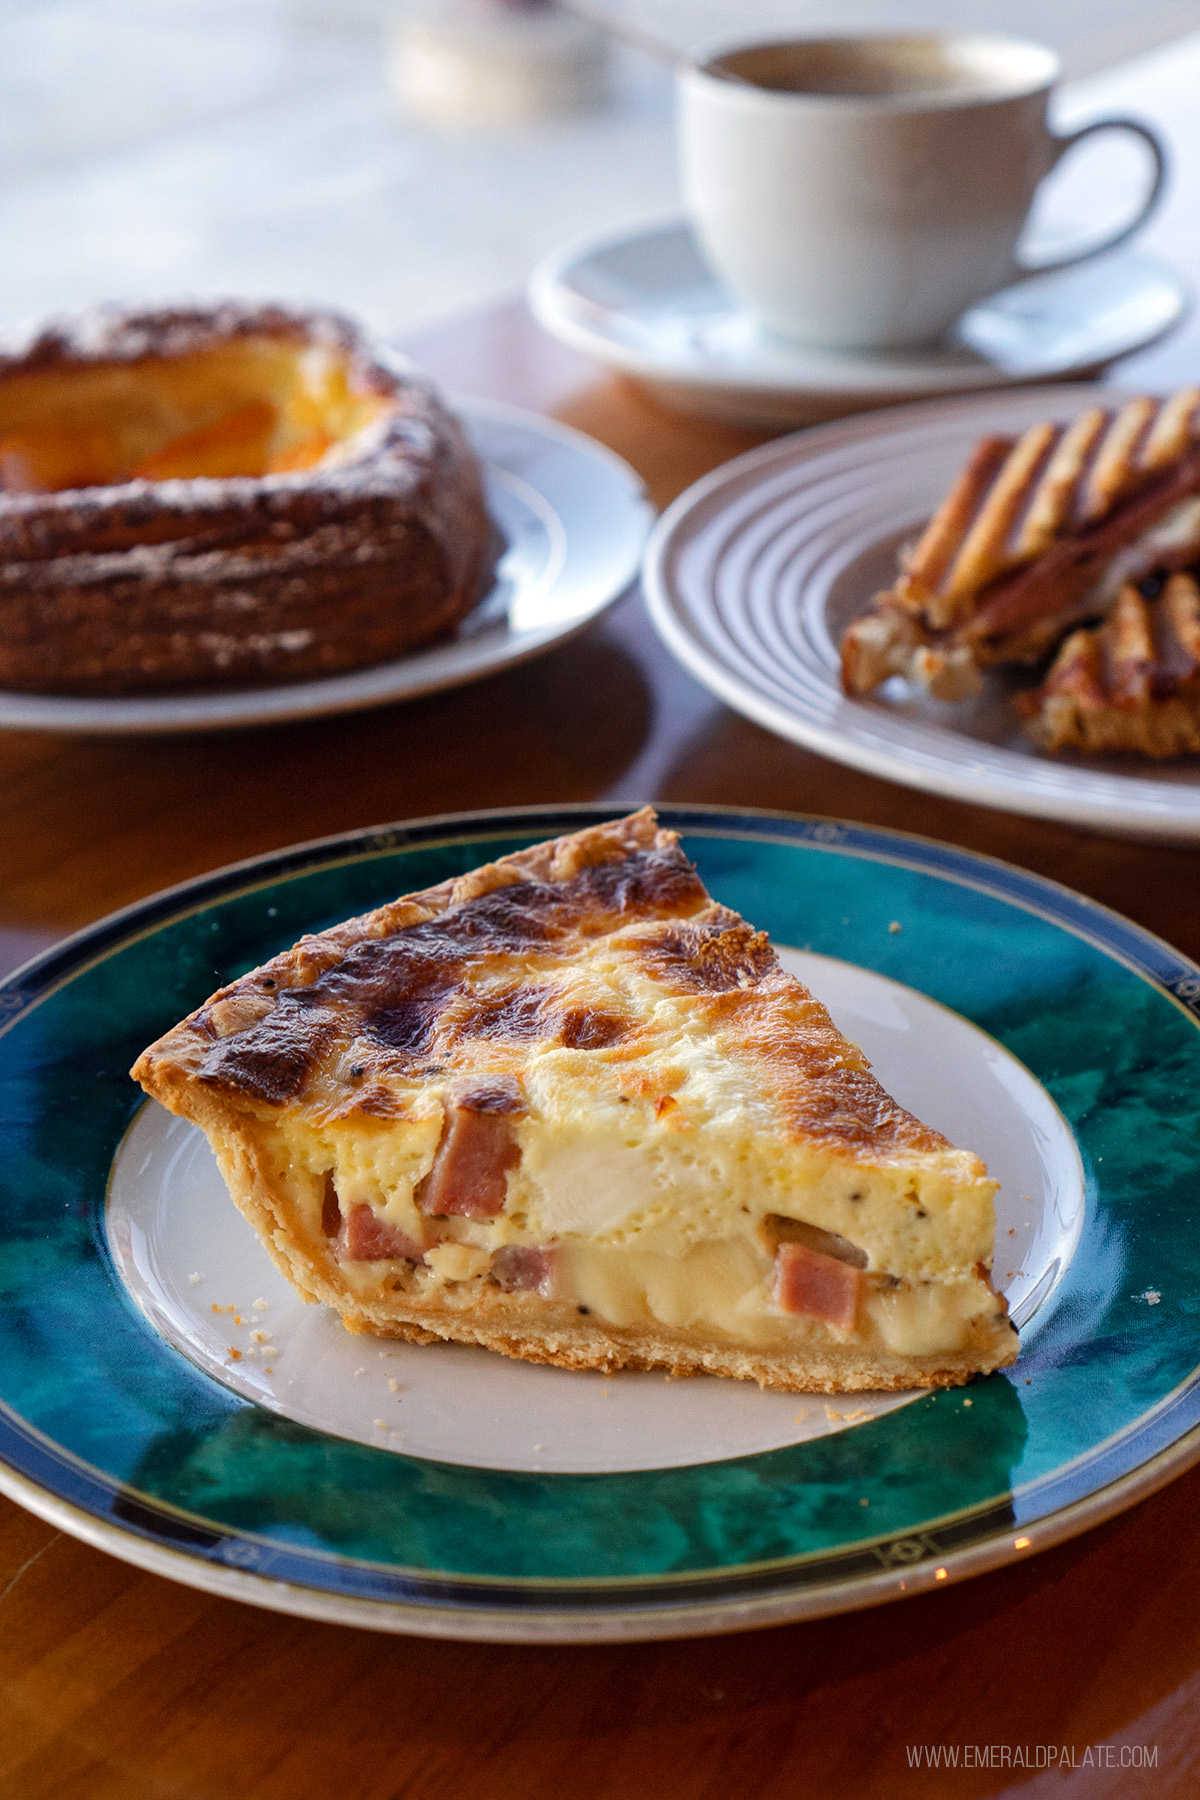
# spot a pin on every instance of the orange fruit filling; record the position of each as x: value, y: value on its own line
x: 249, y: 407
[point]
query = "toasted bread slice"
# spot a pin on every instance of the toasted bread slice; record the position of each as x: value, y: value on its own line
x: 1132, y: 683
x: 568, y: 1107
x: 1038, y: 533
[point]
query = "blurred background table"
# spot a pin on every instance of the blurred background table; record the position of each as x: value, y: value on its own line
x: 115, y: 1685
x: 153, y: 148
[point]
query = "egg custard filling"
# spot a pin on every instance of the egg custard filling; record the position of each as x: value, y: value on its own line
x: 568, y: 1107
x: 255, y: 404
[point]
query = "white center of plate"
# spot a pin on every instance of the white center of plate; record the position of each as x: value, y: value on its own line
x: 196, y: 1270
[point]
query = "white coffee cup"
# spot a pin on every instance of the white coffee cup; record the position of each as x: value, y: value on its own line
x: 864, y: 191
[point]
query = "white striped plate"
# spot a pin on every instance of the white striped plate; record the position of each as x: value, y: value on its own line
x: 752, y: 575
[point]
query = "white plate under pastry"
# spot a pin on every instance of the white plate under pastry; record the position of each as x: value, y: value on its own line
x: 643, y: 300
x: 753, y: 574
x: 573, y: 517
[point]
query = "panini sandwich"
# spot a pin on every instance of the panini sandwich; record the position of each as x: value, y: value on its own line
x: 1038, y: 534
x: 1132, y: 683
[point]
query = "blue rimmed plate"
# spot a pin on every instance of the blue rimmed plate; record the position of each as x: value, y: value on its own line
x: 163, y: 1396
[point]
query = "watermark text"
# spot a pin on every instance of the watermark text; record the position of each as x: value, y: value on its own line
x: 1032, y: 1756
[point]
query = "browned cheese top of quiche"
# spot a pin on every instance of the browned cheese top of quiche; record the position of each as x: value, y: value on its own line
x: 568, y: 1106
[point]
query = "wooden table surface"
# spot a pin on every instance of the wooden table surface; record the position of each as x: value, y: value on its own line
x: 116, y: 1685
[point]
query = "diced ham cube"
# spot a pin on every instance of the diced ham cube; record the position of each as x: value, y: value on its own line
x: 807, y: 1281
x: 365, y: 1237
x: 476, y: 1151
x: 519, y: 1269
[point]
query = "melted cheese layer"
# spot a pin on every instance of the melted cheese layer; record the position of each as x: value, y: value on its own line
x: 655, y: 1220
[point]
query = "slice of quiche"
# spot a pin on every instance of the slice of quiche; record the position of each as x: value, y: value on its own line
x: 568, y: 1107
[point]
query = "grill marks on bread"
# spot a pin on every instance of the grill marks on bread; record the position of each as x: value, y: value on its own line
x: 1132, y: 683
x: 1021, y: 497
x: 1035, y: 535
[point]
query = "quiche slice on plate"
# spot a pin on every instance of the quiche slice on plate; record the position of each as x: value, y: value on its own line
x: 568, y: 1107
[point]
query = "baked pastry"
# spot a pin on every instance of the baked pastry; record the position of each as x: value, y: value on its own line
x: 568, y: 1107
x: 1132, y: 683
x: 1037, y: 534
x: 224, y: 495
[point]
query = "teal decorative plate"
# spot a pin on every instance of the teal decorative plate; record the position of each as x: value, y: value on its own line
x: 164, y: 1396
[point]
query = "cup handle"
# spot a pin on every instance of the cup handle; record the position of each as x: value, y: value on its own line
x: 1068, y: 142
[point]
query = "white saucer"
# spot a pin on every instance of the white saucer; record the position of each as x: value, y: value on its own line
x: 573, y: 518
x: 643, y: 300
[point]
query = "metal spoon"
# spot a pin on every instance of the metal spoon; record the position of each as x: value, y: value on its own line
x: 646, y: 41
